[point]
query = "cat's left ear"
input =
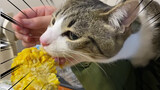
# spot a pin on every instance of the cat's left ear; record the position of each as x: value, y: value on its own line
x: 124, y: 14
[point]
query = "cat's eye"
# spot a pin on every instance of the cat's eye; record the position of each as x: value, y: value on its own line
x: 70, y: 35
x: 53, y: 21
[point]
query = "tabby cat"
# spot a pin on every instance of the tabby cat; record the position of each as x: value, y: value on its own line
x: 92, y: 31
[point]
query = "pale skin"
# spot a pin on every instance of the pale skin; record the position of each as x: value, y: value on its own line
x: 33, y: 26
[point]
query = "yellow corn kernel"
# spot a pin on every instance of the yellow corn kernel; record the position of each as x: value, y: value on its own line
x: 38, y: 67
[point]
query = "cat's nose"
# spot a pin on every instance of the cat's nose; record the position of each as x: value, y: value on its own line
x: 44, y: 44
x: 44, y: 40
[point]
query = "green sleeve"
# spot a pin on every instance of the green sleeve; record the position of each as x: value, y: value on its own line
x: 118, y: 76
x: 113, y: 76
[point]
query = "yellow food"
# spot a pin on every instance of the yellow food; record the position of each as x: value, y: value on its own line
x: 37, y: 68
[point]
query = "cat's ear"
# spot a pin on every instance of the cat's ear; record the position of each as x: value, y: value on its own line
x: 123, y: 14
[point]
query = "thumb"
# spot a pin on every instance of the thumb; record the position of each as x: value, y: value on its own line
x: 37, y: 22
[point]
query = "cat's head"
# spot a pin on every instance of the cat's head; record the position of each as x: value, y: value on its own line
x: 88, y: 30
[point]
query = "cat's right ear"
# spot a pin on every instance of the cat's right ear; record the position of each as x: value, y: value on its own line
x: 123, y: 14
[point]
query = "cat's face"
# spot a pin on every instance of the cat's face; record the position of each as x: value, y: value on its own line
x: 86, y: 31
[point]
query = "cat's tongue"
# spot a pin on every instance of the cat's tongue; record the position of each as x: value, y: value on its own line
x: 60, y: 61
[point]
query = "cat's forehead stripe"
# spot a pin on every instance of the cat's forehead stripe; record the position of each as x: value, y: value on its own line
x: 72, y: 22
x: 57, y: 13
x: 63, y: 11
x: 69, y: 16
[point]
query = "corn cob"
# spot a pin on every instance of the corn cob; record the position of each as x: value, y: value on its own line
x: 36, y: 68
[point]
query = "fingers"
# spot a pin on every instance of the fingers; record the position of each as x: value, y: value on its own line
x: 25, y: 38
x: 27, y: 44
x: 28, y: 41
x: 40, y: 11
x: 34, y: 42
x: 37, y: 22
x: 34, y: 25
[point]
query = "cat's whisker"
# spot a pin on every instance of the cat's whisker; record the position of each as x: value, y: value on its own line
x: 93, y: 62
x: 6, y: 61
x: 155, y: 20
x: 9, y: 71
x: 10, y: 19
x: 52, y: 2
x: 47, y: 84
x: 29, y: 6
x: 74, y: 52
x: 101, y: 69
x: 88, y: 58
x: 139, y: 4
x: 57, y: 56
x: 1, y: 50
x: 48, y: 2
x: 67, y: 58
x: 17, y: 8
x: 143, y: 7
x: 79, y: 63
x: 146, y: 6
x: 29, y: 84
x: 71, y: 63
x: 7, y: 29
x: 154, y: 16
x: 18, y: 81
x: 75, y: 60
x: 43, y: 3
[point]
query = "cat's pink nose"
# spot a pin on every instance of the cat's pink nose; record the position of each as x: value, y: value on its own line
x: 44, y: 41
x: 44, y: 44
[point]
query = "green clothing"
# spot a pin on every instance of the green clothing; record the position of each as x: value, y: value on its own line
x: 118, y: 76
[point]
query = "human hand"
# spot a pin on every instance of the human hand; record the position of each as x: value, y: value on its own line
x: 34, y: 25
